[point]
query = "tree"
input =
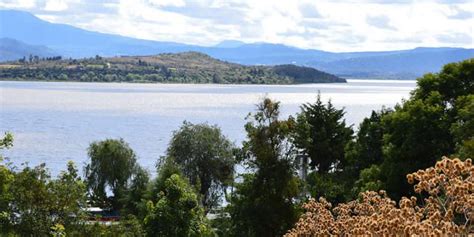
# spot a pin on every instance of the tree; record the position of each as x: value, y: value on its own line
x: 6, y: 180
x: 426, y: 126
x: 39, y: 204
x: 367, y: 149
x: 364, y: 155
x: 7, y: 141
x: 112, y: 165
x: 133, y: 202
x: 321, y: 133
x: 368, y: 180
x: 416, y: 132
x: 31, y: 203
x: 463, y: 128
x: 176, y: 213
x: 68, y: 197
x: 205, y: 157
x: 262, y: 204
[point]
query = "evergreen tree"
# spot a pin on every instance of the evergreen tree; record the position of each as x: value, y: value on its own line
x: 263, y: 204
x: 321, y: 133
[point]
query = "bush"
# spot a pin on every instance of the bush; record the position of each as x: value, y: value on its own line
x: 448, y: 207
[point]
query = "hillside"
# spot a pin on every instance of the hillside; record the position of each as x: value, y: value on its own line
x: 188, y: 67
x: 11, y: 49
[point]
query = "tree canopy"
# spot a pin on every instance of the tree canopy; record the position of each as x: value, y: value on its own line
x: 206, y: 158
x: 112, y: 165
x: 263, y: 204
x: 321, y: 133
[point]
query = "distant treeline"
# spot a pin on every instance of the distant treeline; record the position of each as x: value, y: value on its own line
x: 190, y: 67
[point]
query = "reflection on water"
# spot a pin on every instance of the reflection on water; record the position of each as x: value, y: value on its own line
x: 54, y: 122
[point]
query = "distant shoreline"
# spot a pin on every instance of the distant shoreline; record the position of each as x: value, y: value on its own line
x: 348, y: 80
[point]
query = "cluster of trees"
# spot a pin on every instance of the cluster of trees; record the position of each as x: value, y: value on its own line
x: 287, y: 161
x: 188, y: 67
x: 36, y: 59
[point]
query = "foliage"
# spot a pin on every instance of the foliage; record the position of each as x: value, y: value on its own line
x: 38, y: 205
x: 133, y: 202
x: 176, y: 213
x: 447, y: 211
x: 262, y: 204
x: 188, y: 67
x: 328, y: 185
x: 463, y: 128
x: 364, y: 155
x: 205, y: 157
x: 166, y: 168
x: 6, y: 180
x: 321, y: 133
x: 437, y: 119
x: 112, y: 165
x: 422, y: 127
x: 369, y: 180
x: 367, y: 148
x: 128, y: 226
x: 6, y: 141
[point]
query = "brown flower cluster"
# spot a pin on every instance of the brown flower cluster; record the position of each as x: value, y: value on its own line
x: 447, y: 210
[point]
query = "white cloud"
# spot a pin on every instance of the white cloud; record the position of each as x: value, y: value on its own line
x: 175, y: 3
x: 55, y: 5
x: 334, y: 25
x: 20, y: 4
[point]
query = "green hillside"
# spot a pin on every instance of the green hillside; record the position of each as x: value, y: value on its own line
x: 188, y: 67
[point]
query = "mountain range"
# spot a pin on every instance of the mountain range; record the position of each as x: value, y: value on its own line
x: 22, y: 33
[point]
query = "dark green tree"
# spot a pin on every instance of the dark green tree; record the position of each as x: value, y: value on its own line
x: 133, y: 201
x: 321, y: 133
x: 31, y: 203
x: 364, y: 155
x: 165, y: 168
x: 68, y: 196
x: 367, y: 148
x: 420, y: 130
x: 177, y: 212
x: 463, y: 128
x: 40, y: 205
x: 206, y: 158
x: 112, y: 165
x: 263, y: 204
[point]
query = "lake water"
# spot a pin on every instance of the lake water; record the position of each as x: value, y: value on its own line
x: 54, y: 122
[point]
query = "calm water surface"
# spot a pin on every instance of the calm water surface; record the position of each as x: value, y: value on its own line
x: 54, y: 122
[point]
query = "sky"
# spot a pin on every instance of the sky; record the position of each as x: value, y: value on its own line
x: 331, y: 25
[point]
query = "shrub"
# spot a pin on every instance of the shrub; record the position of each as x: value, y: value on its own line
x: 448, y: 207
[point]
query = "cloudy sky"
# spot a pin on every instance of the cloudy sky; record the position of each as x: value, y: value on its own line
x: 333, y: 25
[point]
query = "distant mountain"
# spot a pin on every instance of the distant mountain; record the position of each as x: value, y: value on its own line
x: 74, y: 42
x: 229, y: 44
x: 400, y: 65
x: 188, y: 67
x: 11, y: 49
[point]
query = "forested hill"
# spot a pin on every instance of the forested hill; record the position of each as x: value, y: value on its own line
x: 187, y: 67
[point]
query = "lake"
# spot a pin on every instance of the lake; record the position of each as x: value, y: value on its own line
x: 54, y: 122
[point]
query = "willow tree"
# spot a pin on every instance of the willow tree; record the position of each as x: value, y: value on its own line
x: 205, y: 156
x: 112, y: 165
